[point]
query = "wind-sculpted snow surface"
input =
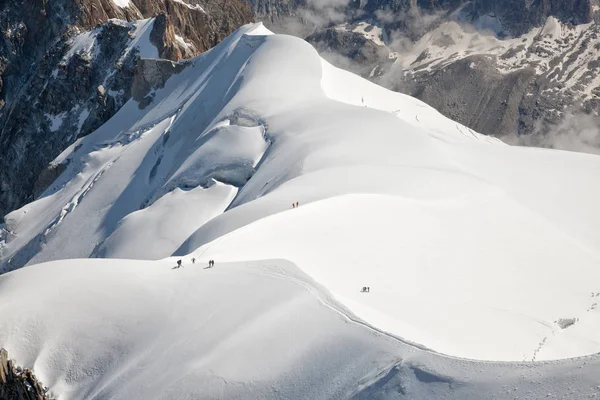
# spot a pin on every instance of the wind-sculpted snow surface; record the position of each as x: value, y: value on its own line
x: 470, y: 247
x: 125, y: 329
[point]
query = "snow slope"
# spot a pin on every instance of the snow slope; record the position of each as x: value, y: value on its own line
x: 124, y: 329
x: 210, y: 333
x: 471, y: 248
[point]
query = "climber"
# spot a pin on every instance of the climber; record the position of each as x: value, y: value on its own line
x: 193, y: 260
x: 179, y: 264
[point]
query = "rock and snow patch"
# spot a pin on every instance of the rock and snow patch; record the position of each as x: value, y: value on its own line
x: 56, y: 121
x: 566, y: 54
x: 141, y: 39
x: 181, y: 41
x: 564, y: 323
x: 83, y: 115
x: 368, y: 31
x: 84, y: 45
x: 191, y: 6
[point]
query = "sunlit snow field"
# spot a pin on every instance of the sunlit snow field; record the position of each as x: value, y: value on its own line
x: 471, y: 248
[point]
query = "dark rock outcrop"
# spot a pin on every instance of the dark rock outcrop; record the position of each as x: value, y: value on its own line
x: 17, y: 383
x: 150, y: 74
x: 202, y: 25
x: 300, y: 17
x: 272, y: 11
x: 351, y: 44
x: 56, y: 101
x: 480, y: 98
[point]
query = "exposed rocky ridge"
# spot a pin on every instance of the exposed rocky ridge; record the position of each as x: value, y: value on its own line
x: 481, y: 97
x: 50, y: 94
x: 353, y: 45
x: 300, y: 17
x: 149, y: 74
x: 272, y: 11
x: 19, y: 384
x: 59, y: 99
x: 201, y: 23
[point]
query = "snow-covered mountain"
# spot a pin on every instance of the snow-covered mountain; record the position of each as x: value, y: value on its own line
x: 502, y: 67
x: 66, y: 67
x: 470, y: 247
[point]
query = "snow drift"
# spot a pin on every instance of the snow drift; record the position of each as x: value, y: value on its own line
x: 470, y: 247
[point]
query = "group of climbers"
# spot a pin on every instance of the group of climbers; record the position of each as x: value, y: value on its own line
x: 211, y: 263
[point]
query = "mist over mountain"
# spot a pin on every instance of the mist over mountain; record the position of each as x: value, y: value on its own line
x: 513, y: 69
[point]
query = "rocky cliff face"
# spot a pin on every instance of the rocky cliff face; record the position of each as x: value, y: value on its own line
x: 301, y: 17
x: 273, y: 11
x: 19, y: 384
x: 522, y: 85
x: 66, y: 66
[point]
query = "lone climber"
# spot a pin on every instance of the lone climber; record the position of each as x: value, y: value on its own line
x: 178, y: 263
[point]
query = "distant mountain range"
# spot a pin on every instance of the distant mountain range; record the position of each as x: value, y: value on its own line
x: 510, y: 68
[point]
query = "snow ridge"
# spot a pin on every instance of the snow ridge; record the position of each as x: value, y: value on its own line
x: 471, y: 248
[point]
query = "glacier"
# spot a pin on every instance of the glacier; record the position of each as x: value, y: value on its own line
x: 474, y: 250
